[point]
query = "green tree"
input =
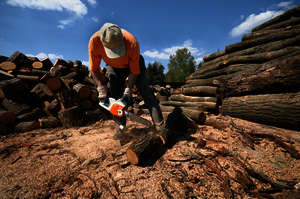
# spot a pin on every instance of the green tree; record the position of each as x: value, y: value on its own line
x: 155, y: 73
x: 180, y: 66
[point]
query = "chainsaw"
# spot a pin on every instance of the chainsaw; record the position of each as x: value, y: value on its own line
x: 118, y: 108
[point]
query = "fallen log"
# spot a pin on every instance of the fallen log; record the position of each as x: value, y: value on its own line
x: 275, y: 76
x: 285, y: 16
x: 185, y: 98
x: 8, y: 66
x: 261, y: 40
x: 281, y: 110
x: 291, y: 22
x: 32, y: 78
x: 199, y: 82
x: 73, y: 116
x: 31, y: 71
x: 200, y: 91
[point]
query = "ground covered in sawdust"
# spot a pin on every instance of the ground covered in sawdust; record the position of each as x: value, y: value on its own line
x: 86, y: 162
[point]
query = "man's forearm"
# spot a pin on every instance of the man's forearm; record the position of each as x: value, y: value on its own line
x: 131, y: 80
x: 99, y: 78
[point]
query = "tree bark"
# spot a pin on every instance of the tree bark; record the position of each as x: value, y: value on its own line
x: 261, y: 40
x: 254, y: 58
x: 285, y: 16
x: 275, y: 76
x: 291, y: 22
x: 8, y: 66
x: 203, y: 106
x: 32, y: 78
x: 199, y: 82
x: 200, y: 91
x: 73, y: 116
x: 281, y: 110
x: 213, y: 55
x: 184, y: 98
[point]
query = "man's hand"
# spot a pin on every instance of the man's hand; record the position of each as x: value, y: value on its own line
x: 126, y: 98
x: 102, y: 94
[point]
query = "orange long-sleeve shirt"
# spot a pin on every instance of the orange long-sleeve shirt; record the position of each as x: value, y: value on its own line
x: 129, y: 60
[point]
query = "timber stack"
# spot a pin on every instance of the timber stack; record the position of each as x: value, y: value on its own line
x: 39, y: 94
x: 256, y: 79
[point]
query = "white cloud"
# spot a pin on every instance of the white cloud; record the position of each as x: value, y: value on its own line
x: 92, y: 2
x: 86, y: 63
x: 285, y: 4
x: 75, y: 6
x: 165, y: 53
x: 252, y: 21
x: 198, y: 60
x: 95, y: 19
x: 43, y: 55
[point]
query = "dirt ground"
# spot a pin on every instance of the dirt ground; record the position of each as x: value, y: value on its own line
x: 86, y: 162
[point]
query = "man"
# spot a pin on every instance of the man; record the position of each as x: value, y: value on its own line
x: 120, y: 51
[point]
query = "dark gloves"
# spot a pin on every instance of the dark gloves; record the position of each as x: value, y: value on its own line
x: 126, y: 98
x: 102, y: 94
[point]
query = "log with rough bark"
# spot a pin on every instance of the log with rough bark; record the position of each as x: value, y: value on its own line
x: 47, y: 64
x: 42, y: 90
x: 30, y: 116
x: 213, y: 55
x: 20, y: 59
x: 261, y: 40
x: 7, y: 117
x: 185, y: 98
x: 82, y: 90
x: 200, y: 91
x: 254, y: 58
x: 32, y: 78
x: 197, y: 115
x: 15, y: 107
x: 31, y: 71
x: 280, y: 75
x: 285, y: 16
x: 281, y: 110
x: 204, y: 106
x: 215, y: 73
x: 27, y: 126
x: 49, y: 122
x: 194, y: 81
x: 291, y: 22
x: 73, y: 116
x: 8, y: 66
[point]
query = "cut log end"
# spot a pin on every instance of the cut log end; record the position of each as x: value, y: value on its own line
x: 8, y: 66
x: 37, y: 65
x: 132, y: 157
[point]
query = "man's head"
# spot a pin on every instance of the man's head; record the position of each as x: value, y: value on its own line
x: 112, y: 40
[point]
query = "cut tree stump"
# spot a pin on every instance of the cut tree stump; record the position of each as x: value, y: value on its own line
x: 71, y: 117
x: 281, y: 110
x: 8, y: 66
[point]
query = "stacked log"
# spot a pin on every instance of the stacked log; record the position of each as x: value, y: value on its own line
x: 248, y: 78
x: 39, y: 94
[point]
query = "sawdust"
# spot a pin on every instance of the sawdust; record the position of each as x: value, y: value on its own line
x: 86, y: 162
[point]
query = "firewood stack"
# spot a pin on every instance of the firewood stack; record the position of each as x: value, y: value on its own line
x: 38, y: 94
x: 256, y: 79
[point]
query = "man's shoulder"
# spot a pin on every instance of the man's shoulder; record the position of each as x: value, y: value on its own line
x: 128, y: 36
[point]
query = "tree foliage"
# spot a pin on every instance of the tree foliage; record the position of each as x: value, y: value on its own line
x: 155, y: 73
x: 180, y: 66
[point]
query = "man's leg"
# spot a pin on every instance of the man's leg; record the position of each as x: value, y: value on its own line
x: 148, y: 95
x: 116, y: 78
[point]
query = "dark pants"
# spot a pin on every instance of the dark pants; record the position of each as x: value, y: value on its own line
x: 117, y: 77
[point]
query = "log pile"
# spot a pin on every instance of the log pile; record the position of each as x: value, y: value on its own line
x: 256, y: 79
x: 39, y: 94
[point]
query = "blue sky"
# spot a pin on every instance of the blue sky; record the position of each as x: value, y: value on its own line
x: 62, y: 28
